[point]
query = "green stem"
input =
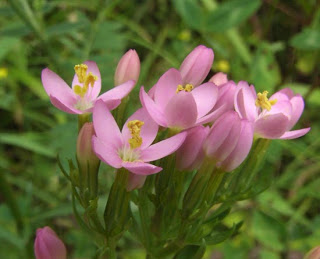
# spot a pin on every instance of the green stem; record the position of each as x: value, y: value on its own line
x: 82, y: 119
x: 6, y: 192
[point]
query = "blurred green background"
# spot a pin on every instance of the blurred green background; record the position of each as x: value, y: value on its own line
x: 271, y: 43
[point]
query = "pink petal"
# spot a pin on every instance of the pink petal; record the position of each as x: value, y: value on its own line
x: 135, y: 181
x: 219, y: 79
x: 166, y: 87
x: 244, y: 102
x: 284, y: 107
x: 226, y: 96
x: 148, y: 131
x: 212, y: 116
x: 163, y: 148
x: 141, y: 168
x: 189, y: 150
x: 297, y: 109
x: 279, y: 97
x: 242, y: 149
x: 152, y: 91
x: 196, y: 66
x: 154, y: 111
x: 295, y: 133
x: 271, y: 126
x: 57, y: 88
x: 220, y: 132
x: 206, y: 96
x: 95, y: 90
x: 118, y: 92
x: 63, y: 107
x: 106, y: 153
x: 181, y: 111
x: 288, y: 92
x: 105, y: 126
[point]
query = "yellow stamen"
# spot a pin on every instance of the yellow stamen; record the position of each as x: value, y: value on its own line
x: 135, y: 129
x: 79, y: 90
x: 90, y: 79
x: 81, y: 71
x: 186, y: 88
x: 263, y: 101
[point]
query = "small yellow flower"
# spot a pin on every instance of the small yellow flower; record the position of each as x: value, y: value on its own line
x: 3, y: 72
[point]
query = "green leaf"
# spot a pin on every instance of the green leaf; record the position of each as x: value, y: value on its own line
x: 191, y: 13
x: 30, y: 141
x: 308, y: 39
x: 191, y: 251
x: 268, y: 231
x: 64, y: 28
x: 6, y: 44
x: 230, y: 14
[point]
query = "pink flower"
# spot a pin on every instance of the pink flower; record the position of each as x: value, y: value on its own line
x: 86, y: 86
x: 273, y: 118
x: 229, y: 141
x: 190, y: 154
x: 128, y: 68
x: 194, y: 68
x: 132, y: 147
x: 180, y: 106
x: 47, y: 245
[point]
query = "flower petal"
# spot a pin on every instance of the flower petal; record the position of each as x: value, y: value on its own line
x: 295, y: 133
x: 271, y: 126
x: 196, y: 66
x: 105, y: 125
x: 148, y: 131
x: 297, y: 109
x: 212, y: 116
x: 242, y: 149
x: 63, y: 107
x: 219, y: 79
x: 181, y: 111
x: 166, y: 87
x: 118, y: 92
x: 189, y: 150
x: 153, y: 110
x: 163, y: 148
x: 57, y: 88
x: 106, y: 153
x: 206, y: 96
x: 141, y: 168
x: 93, y: 68
x: 244, y: 102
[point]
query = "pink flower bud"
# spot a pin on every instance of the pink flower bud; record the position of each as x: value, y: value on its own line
x: 190, y: 154
x: 313, y: 254
x: 226, y: 96
x: 229, y: 141
x: 196, y: 66
x: 128, y: 68
x: 48, y: 245
x: 135, y: 181
x: 85, y: 154
x: 219, y: 79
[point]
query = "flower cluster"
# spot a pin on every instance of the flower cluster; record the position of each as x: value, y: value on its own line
x: 208, y: 126
x: 218, y: 119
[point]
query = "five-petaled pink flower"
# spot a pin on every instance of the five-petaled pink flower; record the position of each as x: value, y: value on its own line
x: 273, y: 118
x: 86, y: 86
x: 131, y: 148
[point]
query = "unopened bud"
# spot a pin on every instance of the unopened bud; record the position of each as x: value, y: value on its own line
x: 219, y: 79
x: 128, y: 68
x: 48, y: 245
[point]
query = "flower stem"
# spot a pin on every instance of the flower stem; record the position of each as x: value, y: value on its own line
x: 82, y: 119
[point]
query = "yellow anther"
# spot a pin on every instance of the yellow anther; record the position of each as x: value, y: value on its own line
x: 90, y: 79
x: 135, y: 129
x: 186, y: 88
x: 79, y: 90
x: 81, y: 71
x: 263, y: 101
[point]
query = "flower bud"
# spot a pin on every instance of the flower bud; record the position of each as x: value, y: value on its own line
x: 196, y: 66
x: 313, y: 254
x: 226, y: 96
x: 128, y: 68
x: 135, y: 181
x: 229, y: 141
x: 190, y: 154
x: 219, y: 79
x: 87, y: 160
x: 47, y: 245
